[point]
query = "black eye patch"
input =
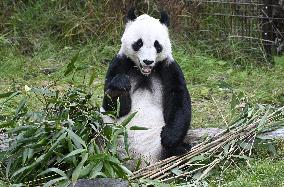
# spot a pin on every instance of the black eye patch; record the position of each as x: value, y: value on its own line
x: 158, y: 46
x: 137, y: 45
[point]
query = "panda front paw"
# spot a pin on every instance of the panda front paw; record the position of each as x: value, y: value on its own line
x: 119, y: 85
x: 176, y: 151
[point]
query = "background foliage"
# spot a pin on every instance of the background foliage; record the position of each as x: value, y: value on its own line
x: 26, y: 22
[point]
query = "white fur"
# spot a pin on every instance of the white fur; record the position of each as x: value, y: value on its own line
x: 148, y: 105
x: 149, y: 30
x: 145, y: 144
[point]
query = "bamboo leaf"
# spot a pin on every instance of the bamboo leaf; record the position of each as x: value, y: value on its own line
x: 272, y: 149
x: 198, y: 158
x: 25, y: 155
x: 245, y: 145
x: 10, y: 95
x: 138, y: 128
x: 86, y: 170
x: 54, y: 145
x: 3, y: 184
x: 263, y: 120
x: 226, y: 149
x: 138, y: 164
x: 128, y: 119
x: 21, y: 106
x: 78, y: 169
x: 96, y: 174
x: 56, y: 170
x: 176, y: 171
x: 125, y: 169
x: 53, y: 181
x: 97, y: 168
x: 73, y: 153
x: 75, y: 137
x: 22, y: 170
x: 242, y: 157
x: 264, y: 137
x: 126, y: 143
x: 109, y: 170
x: 71, y: 66
x: 197, y: 175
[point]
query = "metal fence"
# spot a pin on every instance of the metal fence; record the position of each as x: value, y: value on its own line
x: 256, y: 22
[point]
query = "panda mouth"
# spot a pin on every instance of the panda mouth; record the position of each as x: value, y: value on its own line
x: 146, y: 70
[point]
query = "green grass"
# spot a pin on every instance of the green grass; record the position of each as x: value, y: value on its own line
x: 211, y: 83
x: 265, y: 170
x: 264, y: 173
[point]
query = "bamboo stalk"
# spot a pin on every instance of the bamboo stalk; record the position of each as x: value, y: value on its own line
x: 236, y: 132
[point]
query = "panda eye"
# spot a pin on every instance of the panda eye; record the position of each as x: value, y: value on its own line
x: 137, y: 45
x: 158, y: 46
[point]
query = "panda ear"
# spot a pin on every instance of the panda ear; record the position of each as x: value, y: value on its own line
x: 165, y: 18
x: 131, y: 15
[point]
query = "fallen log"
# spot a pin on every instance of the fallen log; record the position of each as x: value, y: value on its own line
x: 195, y: 135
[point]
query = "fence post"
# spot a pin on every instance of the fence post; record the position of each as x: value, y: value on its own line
x: 267, y: 30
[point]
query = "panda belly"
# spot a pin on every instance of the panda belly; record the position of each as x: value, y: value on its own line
x: 148, y: 105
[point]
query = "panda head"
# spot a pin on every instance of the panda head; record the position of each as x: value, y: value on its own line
x: 146, y: 41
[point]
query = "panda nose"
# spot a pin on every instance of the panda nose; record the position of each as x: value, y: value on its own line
x: 148, y: 62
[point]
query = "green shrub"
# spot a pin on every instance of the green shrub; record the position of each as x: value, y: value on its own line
x: 58, y: 142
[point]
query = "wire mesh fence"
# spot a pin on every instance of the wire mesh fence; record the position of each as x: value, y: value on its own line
x: 257, y: 23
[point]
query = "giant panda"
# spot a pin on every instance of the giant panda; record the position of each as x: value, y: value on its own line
x: 145, y: 78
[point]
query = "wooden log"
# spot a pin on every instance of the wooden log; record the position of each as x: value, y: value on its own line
x: 104, y: 182
x: 194, y: 135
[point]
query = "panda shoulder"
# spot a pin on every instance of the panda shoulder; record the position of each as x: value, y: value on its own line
x: 173, y: 67
x: 119, y: 64
x: 117, y: 60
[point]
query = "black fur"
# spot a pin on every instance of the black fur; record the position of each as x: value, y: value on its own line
x: 117, y: 86
x: 176, y: 110
x: 176, y: 99
x: 137, y: 45
x: 143, y: 82
x: 131, y: 14
x: 165, y: 18
x: 158, y: 46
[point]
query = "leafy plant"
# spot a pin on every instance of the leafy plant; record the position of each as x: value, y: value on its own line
x: 62, y: 141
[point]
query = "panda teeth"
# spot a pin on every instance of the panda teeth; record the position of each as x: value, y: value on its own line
x: 146, y: 70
